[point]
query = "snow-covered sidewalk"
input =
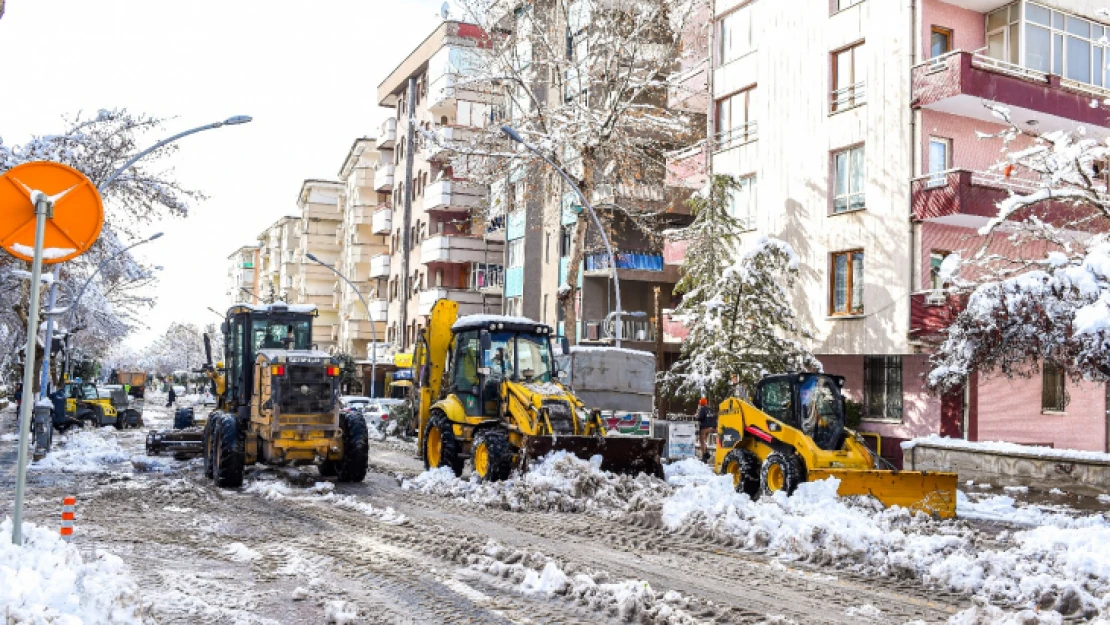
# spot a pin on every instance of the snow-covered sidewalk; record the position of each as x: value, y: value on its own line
x: 48, y: 581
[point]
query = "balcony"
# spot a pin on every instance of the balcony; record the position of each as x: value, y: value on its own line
x: 451, y: 138
x: 379, y: 309
x: 687, y: 169
x: 470, y: 302
x: 959, y: 82
x: 495, y: 228
x: 688, y: 90
x: 447, y: 195
x: 363, y: 330
x: 453, y: 248
x: 965, y: 192
x: 361, y: 252
x: 931, y: 312
x: 387, y: 134
x: 382, y: 221
x: 383, y: 177
x: 487, y: 278
x: 379, y: 266
x: 596, y: 330
x: 632, y: 266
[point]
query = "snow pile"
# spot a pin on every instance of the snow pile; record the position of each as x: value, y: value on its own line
x: 341, y: 612
x: 241, y: 553
x: 47, y: 581
x: 387, y: 515
x: 534, y: 574
x: 324, y: 492
x: 560, y: 482
x: 1062, y: 564
x: 271, y: 490
x: 1002, y: 509
x: 84, y: 452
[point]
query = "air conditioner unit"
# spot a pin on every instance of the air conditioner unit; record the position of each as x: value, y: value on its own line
x: 593, y: 332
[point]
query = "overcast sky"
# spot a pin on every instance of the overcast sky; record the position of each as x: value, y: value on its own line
x: 306, y: 71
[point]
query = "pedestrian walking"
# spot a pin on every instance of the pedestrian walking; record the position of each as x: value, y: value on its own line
x: 172, y: 397
x: 706, y: 423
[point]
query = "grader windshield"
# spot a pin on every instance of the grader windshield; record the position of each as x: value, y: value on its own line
x: 278, y: 333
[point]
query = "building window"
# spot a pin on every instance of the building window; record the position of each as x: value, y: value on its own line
x: 882, y: 378
x: 940, y: 159
x: 847, y: 283
x: 849, y: 73
x: 543, y: 312
x: 742, y: 202
x: 936, y: 259
x: 513, y: 306
x: 516, y: 253
x: 734, y: 35
x: 565, y: 238
x: 940, y: 41
x: 1054, y: 392
x: 735, y: 122
x: 848, y: 180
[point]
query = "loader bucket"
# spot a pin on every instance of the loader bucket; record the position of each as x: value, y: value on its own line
x: 619, y: 454
x: 921, y: 491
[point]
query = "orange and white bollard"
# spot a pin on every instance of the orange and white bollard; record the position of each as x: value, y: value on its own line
x: 69, y: 504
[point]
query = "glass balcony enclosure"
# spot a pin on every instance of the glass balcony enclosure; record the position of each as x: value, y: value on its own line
x: 1039, y: 38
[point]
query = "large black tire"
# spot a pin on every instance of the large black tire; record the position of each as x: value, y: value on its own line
x: 492, y: 455
x: 356, y: 448
x: 440, y: 441
x: 781, y: 471
x: 210, y: 444
x: 183, y: 418
x: 229, y: 454
x: 743, y: 466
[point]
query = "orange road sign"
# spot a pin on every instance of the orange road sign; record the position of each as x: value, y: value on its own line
x: 78, y: 211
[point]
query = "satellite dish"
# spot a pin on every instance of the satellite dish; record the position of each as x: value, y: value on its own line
x: 445, y: 10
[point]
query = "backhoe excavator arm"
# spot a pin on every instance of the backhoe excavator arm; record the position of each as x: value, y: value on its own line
x: 430, y: 359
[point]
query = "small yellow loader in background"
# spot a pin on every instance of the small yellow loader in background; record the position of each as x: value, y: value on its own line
x: 793, y: 431
x: 487, y: 389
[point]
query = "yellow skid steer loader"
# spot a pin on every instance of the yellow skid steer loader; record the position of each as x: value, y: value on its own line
x: 794, y: 432
x: 487, y: 389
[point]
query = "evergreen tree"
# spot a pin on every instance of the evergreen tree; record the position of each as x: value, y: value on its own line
x: 736, y: 306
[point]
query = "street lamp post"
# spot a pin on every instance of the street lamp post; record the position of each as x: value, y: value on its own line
x: 369, y: 315
x: 512, y: 134
x: 230, y: 121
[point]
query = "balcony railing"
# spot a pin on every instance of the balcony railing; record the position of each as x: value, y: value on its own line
x: 962, y: 191
x: 383, y: 178
x: 379, y: 266
x: 455, y: 248
x: 732, y: 137
x: 931, y: 312
x: 382, y: 221
x: 631, y: 330
x: 387, y: 135
x: 847, y: 97
x: 487, y: 277
x: 642, y: 261
x: 450, y: 195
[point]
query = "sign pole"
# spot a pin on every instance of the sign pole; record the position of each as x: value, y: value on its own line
x: 43, y: 207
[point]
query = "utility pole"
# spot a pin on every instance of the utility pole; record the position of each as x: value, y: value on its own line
x: 659, y: 407
x: 406, y: 238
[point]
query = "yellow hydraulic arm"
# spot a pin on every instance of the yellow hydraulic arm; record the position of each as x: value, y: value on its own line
x: 430, y: 358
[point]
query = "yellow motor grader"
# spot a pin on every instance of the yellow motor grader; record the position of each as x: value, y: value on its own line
x: 793, y: 431
x: 487, y: 389
x: 278, y: 402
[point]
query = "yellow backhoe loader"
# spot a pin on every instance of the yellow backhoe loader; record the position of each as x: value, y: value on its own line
x: 793, y: 431
x: 486, y: 388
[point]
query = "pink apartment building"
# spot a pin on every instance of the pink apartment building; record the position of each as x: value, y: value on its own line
x: 852, y: 126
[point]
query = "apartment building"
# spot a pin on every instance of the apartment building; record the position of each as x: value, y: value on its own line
x: 436, y: 247
x: 316, y: 229
x: 362, y: 234
x: 241, y: 275
x: 277, y: 247
x: 852, y: 127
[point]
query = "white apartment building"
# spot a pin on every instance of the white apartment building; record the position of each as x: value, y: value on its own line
x: 277, y: 247
x: 436, y: 249
x: 851, y: 124
x: 241, y: 275
x: 362, y: 234
x: 313, y: 283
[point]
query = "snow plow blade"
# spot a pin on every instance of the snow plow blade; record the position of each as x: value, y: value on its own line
x: 920, y: 491
x: 619, y: 454
x: 181, y: 443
